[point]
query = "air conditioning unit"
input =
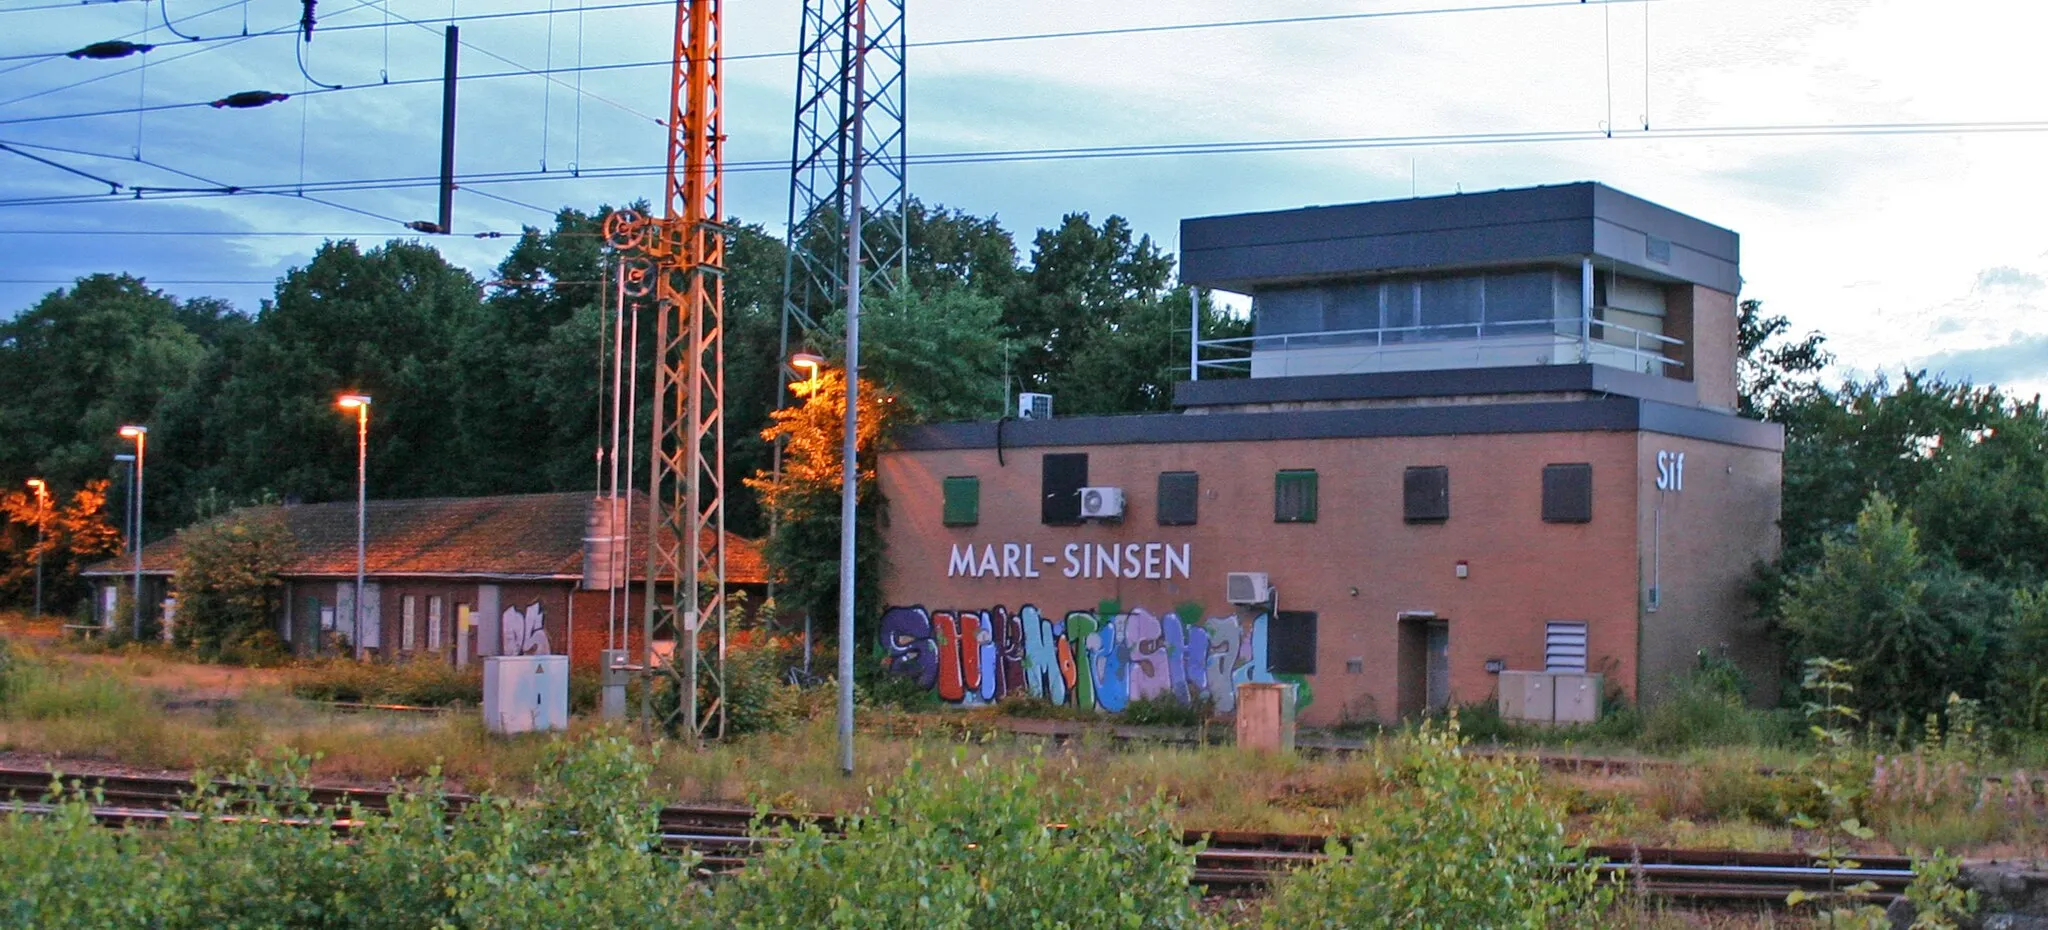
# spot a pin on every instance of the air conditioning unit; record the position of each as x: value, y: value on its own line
x: 1102, y: 503
x: 1247, y: 588
x: 1034, y: 406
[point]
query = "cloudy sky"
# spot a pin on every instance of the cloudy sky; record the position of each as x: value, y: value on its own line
x: 1883, y: 161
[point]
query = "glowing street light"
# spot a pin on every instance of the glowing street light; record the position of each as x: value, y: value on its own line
x: 809, y: 363
x: 141, y: 436
x: 42, y: 507
x: 360, y: 403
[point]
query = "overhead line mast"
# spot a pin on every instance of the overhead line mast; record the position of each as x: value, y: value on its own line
x: 683, y: 266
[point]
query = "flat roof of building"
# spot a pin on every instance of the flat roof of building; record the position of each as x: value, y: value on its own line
x: 1551, y: 225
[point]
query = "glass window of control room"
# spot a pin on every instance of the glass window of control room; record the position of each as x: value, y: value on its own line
x: 1413, y: 309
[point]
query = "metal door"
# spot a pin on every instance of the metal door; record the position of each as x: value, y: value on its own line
x: 1438, y: 676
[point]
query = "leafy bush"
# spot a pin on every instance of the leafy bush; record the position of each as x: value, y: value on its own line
x: 974, y: 844
x: 1705, y: 708
x: 228, y: 585
x: 1463, y: 842
x: 1166, y: 712
x: 578, y: 855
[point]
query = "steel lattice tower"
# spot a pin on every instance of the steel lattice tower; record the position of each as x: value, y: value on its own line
x: 685, y: 258
x: 821, y: 159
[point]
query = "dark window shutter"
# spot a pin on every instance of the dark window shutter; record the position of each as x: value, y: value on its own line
x: 1294, y: 496
x: 1179, y: 497
x: 1426, y: 494
x: 963, y: 501
x: 1568, y: 493
x: 1291, y: 643
x: 1065, y: 474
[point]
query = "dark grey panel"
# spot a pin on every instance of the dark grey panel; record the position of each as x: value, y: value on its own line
x: 1061, y: 480
x: 1291, y: 643
x: 1568, y: 493
x: 1609, y: 413
x: 1426, y: 494
x: 1694, y: 423
x: 1180, y: 498
x: 1527, y: 225
x: 1527, y: 379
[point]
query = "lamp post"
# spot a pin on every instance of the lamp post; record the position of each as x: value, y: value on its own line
x: 809, y: 363
x: 360, y: 403
x: 141, y: 436
x: 42, y: 508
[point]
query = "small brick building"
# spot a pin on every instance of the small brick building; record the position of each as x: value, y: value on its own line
x: 454, y: 578
x: 1480, y: 432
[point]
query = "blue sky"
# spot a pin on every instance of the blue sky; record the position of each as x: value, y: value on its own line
x: 1906, y: 249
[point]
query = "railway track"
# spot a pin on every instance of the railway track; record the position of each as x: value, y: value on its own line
x: 1228, y: 862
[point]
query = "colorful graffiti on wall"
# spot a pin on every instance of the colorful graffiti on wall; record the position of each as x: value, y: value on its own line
x: 524, y: 632
x: 1101, y: 659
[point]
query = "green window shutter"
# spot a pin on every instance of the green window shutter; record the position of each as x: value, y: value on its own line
x: 963, y: 501
x: 1294, y: 496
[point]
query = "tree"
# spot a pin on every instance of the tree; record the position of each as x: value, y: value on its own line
x: 386, y: 322
x: 228, y: 585
x: 1083, y: 281
x: 939, y: 354
x: 1914, y: 628
x: 75, y: 533
x: 1131, y: 365
x: 1770, y: 371
x: 805, y: 498
x: 80, y: 363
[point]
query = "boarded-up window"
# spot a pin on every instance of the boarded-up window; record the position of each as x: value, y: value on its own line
x: 963, y: 501
x: 408, y: 620
x: 1294, y: 495
x: 1564, y: 646
x: 1063, y: 477
x: 1426, y: 494
x: 1291, y: 643
x: 434, y: 621
x: 1179, y: 497
x: 1568, y: 493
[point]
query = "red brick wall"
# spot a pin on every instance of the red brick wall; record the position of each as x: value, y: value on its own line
x: 1360, y: 567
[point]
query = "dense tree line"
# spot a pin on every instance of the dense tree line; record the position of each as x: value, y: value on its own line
x: 493, y: 387
x: 1915, y: 531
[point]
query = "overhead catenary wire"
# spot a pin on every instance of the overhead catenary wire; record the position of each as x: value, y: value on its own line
x: 1150, y: 150
x: 524, y: 71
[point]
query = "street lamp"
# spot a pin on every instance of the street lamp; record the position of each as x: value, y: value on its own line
x: 141, y: 436
x: 360, y: 403
x: 42, y: 507
x: 808, y: 363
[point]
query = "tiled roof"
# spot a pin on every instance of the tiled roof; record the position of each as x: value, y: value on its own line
x: 515, y: 535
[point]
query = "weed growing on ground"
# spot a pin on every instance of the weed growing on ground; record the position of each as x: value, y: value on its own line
x: 1463, y: 842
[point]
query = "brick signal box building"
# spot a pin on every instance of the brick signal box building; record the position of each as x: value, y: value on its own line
x: 1481, y: 432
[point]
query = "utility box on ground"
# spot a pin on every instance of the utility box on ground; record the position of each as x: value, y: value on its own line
x: 1550, y: 697
x: 524, y: 694
x: 1265, y: 717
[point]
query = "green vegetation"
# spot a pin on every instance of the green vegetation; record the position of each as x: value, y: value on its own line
x: 1460, y: 842
x: 228, y: 588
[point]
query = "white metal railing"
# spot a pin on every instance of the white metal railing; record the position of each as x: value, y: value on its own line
x: 1644, y: 350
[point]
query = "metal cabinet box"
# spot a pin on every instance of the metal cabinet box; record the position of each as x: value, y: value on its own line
x: 1550, y: 697
x: 523, y: 694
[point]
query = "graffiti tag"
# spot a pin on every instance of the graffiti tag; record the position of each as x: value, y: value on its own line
x: 1100, y: 659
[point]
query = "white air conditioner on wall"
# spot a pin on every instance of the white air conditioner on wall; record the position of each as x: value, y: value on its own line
x: 1034, y: 406
x: 1102, y: 503
x: 1247, y: 588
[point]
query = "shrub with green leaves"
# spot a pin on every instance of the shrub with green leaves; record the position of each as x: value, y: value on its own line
x: 256, y: 852
x: 974, y: 844
x: 1461, y: 842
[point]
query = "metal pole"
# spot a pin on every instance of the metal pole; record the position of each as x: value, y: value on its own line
x: 362, y: 500
x: 141, y: 442
x: 1194, y: 333
x: 1585, y: 309
x: 849, y: 473
x: 448, y: 130
x: 42, y: 510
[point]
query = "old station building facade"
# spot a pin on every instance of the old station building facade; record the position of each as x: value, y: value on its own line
x: 1469, y: 434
